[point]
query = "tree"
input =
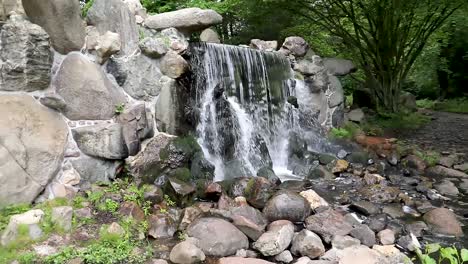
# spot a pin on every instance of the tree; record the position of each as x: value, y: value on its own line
x: 385, y: 36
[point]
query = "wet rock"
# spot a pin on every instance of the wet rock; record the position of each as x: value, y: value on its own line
x: 25, y: 55
x: 284, y: 257
x: 31, y: 219
x: 84, y: 101
x: 314, y: 199
x: 186, y: 20
x: 327, y: 224
x: 358, y: 157
x: 186, y: 253
x: 295, y: 46
x: 440, y: 171
x: 320, y: 172
x: 379, y: 193
x: 237, y: 260
x: 364, y: 207
x: 340, y: 166
x: 115, y: 229
x: 33, y: 140
x: 217, y: 237
x: 393, y: 210
x: 276, y: 239
x: 443, y: 221
x: 326, y: 159
x: 161, y: 226
x: 364, y: 234
x: 137, y: 125
x: 339, y: 67
x: 62, y: 217
x: 173, y: 65
x: 307, y: 243
x: 416, y: 228
x: 258, y: 192
x: 408, y: 243
x: 342, y: 242
x: 61, y: 20
x: 101, y: 141
x: 447, y: 188
x: 377, y: 222
x: 386, y: 237
x: 372, y: 179
x: 210, y: 36
x: 287, y: 205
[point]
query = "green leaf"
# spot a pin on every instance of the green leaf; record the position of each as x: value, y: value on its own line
x: 464, y: 254
x: 450, y: 254
x: 428, y: 260
x: 432, y: 248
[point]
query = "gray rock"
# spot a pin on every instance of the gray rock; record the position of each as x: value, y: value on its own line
x: 417, y: 228
x: 462, y: 167
x: 249, y: 220
x: 187, y: 20
x: 337, y: 93
x: 445, y: 172
x: 366, y: 208
x: 264, y: 45
x: 339, y: 67
x: 154, y: 47
x: 161, y: 226
x: 8, y: 6
x: 364, y: 234
x: 386, y: 237
x: 84, y: 101
x: 307, y: 243
x: 360, y: 254
x: 32, y: 144
x: 447, y: 188
x: 295, y: 46
x: 94, y: 170
x: 309, y: 67
x: 137, y: 125
x: 101, y: 141
x: 448, y: 161
x: 186, y: 253
x: 173, y: 65
x: 176, y: 40
x: 237, y: 260
x: 210, y: 36
x: 464, y: 185
x: 62, y: 217
x: 287, y: 205
x: 54, y: 101
x: 30, y: 219
x: 443, y: 221
x: 108, y: 45
x: 277, y: 239
x: 284, y: 257
x: 169, y: 111
x: 25, y: 56
x: 115, y: 16
x: 138, y: 75
x: 217, y: 237
x: 61, y: 20
x: 342, y: 242
x: 356, y: 115
x: 327, y: 224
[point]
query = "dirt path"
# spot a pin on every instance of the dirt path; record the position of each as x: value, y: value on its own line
x: 446, y: 132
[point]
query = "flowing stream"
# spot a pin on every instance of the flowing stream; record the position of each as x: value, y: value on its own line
x: 246, y: 110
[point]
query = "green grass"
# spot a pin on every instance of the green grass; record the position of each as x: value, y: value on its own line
x: 456, y: 105
x: 425, y: 103
x: 400, y: 121
x: 348, y: 131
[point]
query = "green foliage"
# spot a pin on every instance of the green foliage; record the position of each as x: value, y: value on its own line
x: 450, y: 254
x: 169, y: 201
x: 430, y: 157
x: 109, y: 205
x: 8, y: 211
x: 425, y: 103
x: 401, y: 121
x: 458, y: 105
x: 135, y: 194
x: 86, y: 7
x: 348, y: 131
x: 95, y: 197
x: 119, y: 109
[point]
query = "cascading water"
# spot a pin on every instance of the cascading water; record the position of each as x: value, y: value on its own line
x: 245, y: 122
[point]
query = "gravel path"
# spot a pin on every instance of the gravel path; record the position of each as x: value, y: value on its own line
x: 446, y: 132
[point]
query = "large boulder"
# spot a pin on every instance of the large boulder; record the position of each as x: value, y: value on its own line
x: 25, y: 56
x: 93, y: 170
x: 187, y: 20
x: 62, y: 21
x: 115, y: 16
x: 287, y: 205
x: 210, y: 36
x: 84, y: 101
x: 32, y: 144
x: 101, y: 141
x: 295, y: 46
x: 443, y: 221
x: 137, y: 125
x: 217, y: 237
x: 443, y: 172
x: 339, y: 67
x: 327, y: 224
x: 138, y: 75
x: 263, y: 45
x: 276, y: 239
x: 307, y: 243
x: 7, y: 6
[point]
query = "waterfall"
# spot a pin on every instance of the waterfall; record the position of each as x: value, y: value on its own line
x: 245, y: 121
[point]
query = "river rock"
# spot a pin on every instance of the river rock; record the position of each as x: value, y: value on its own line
x: 339, y: 67
x: 284, y: 257
x: 447, y: 188
x: 25, y: 56
x: 444, y: 172
x: 115, y: 16
x: 101, y: 141
x: 295, y: 46
x: 186, y: 20
x: 386, y: 237
x: 287, y: 205
x: 84, y: 101
x: 138, y: 75
x: 415, y: 162
x: 217, y: 237
x: 62, y: 217
x: 210, y: 36
x: 249, y: 220
x: 364, y: 207
x: 307, y: 243
x: 186, y: 253
x: 277, y: 239
x: 54, y: 101
x: 364, y: 234
x: 327, y: 224
x: 443, y: 221
x: 360, y: 254
x: 342, y: 242
x: 31, y: 219
x: 32, y: 144
x: 93, y: 170
x: 61, y: 20
x: 238, y: 260
x: 173, y: 65
x: 314, y: 199
x: 258, y: 191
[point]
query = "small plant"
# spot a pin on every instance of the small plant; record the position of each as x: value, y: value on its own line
x: 425, y: 103
x: 8, y: 211
x: 146, y: 208
x: 430, y: 157
x: 182, y: 236
x: 119, y: 109
x: 135, y: 194
x: 449, y: 253
x: 168, y: 201
x: 163, y: 210
x: 109, y: 205
x: 141, y: 34
x: 95, y: 197
x: 86, y: 7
